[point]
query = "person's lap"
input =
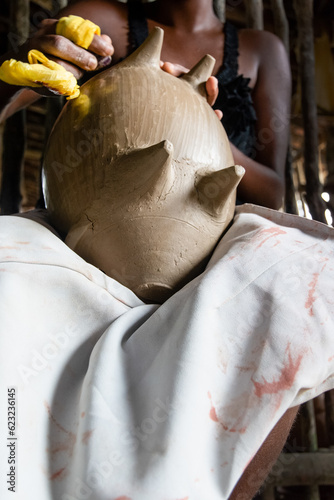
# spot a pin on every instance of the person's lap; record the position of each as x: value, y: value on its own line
x: 218, y: 370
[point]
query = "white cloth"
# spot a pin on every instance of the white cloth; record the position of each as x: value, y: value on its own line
x: 117, y: 399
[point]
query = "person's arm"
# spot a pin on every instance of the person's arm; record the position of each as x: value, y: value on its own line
x: 263, y: 182
x: 266, y: 457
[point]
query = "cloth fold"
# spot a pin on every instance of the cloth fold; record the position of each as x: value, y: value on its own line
x: 121, y: 399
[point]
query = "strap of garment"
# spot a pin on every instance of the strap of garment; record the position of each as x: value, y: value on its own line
x: 229, y: 69
x: 138, y: 29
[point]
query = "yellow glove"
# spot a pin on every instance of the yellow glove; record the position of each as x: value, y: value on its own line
x: 78, y: 30
x: 50, y: 74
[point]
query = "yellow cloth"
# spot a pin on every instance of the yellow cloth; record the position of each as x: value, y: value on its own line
x: 78, y: 30
x: 41, y: 71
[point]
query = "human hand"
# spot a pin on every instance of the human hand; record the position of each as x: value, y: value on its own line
x: 211, y: 83
x: 73, y: 58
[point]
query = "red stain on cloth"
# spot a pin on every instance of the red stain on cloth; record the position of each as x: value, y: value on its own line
x: 212, y: 413
x: 272, y: 232
x: 214, y: 417
x: 311, y: 294
x: 285, y: 380
x: 85, y: 437
x: 69, y: 437
x: 58, y: 474
x: 311, y: 298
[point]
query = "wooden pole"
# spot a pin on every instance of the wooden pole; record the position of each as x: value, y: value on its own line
x: 281, y: 29
x: 310, y: 442
x: 281, y: 24
x: 254, y: 14
x: 329, y: 405
x: 304, y: 17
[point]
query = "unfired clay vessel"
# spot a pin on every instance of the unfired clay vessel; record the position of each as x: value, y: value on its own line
x: 139, y: 173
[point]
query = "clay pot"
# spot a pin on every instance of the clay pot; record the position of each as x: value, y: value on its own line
x: 139, y: 173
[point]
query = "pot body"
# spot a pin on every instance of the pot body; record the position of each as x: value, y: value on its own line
x: 136, y: 174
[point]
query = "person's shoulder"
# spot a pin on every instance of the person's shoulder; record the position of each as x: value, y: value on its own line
x: 264, y: 50
x: 262, y: 42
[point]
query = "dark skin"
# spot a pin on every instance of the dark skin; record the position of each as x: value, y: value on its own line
x: 191, y: 31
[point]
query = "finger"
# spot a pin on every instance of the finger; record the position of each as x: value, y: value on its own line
x: 62, y: 48
x: 102, y: 45
x: 219, y: 113
x: 69, y: 67
x: 169, y: 68
x: 173, y: 69
x: 103, y: 61
x: 212, y: 90
x: 48, y: 22
x: 107, y: 38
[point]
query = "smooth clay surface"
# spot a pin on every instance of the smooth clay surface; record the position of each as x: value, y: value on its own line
x: 139, y: 173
